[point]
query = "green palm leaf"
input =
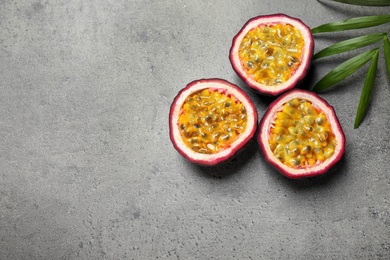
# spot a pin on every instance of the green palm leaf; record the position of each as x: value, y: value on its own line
x: 367, y: 90
x: 365, y: 2
x: 353, y: 23
x: 349, y: 45
x: 343, y: 70
x: 386, y: 45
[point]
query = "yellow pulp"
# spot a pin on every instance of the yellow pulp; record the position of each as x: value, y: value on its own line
x: 272, y: 53
x: 210, y: 121
x: 301, y: 135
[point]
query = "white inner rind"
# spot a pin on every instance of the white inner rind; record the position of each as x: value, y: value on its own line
x: 236, y: 145
x: 331, y: 116
x: 305, y: 61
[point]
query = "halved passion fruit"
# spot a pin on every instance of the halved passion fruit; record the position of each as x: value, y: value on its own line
x: 300, y: 135
x: 211, y: 120
x: 272, y: 53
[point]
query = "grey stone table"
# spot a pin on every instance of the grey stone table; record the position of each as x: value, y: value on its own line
x: 87, y: 170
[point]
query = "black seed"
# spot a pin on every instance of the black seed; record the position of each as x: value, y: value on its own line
x: 225, y: 137
x: 319, y: 121
x: 295, y: 162
x: 194, y: 140
x: 294, y: 59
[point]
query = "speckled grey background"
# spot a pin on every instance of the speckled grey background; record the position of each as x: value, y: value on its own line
x: 87, y: 170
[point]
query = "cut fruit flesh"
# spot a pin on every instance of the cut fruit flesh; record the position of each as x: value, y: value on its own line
x: 301, y: 135
x: 211, y: 120
x: 204, y: 106
x: 271, y: 53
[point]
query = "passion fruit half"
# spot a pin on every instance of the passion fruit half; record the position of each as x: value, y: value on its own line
x: 272, y: 53
x: 300, y: 135
x: 211, y: 120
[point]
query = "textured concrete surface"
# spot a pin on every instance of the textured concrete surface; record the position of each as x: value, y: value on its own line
x: 87, y: 170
